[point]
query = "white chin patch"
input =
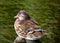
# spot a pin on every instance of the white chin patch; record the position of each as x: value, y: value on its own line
x: 21, y: 18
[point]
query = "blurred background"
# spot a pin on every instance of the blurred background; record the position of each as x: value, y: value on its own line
x: 45, y: 12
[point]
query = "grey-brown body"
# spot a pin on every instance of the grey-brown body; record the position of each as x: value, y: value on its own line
x: 20, y: 29
x: 21, y: 25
